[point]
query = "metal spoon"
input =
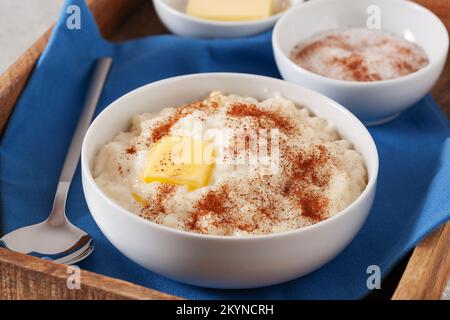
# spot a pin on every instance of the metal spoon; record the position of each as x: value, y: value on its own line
x: 56, y: 238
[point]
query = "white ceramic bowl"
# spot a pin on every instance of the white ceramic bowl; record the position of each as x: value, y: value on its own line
x: 220, y: 261
x: 172, y: 14
x: 373, y: 102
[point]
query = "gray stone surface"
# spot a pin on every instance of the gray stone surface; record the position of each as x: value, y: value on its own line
x: 21, y: 23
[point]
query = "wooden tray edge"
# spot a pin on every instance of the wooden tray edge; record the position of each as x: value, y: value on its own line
x: 13, y: 81
x: 27, y: 277
x: 428, y: 269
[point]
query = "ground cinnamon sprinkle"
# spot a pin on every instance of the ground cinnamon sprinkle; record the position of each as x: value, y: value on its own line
x: 309, y: 169
x: 267, y: 212
x: 163, y: 128
x: 244, y: 142
x: 355, y: 65
x: 212, y: 203
x: 359, y: 54
x: 308, y: 166
x: 313, y: 205
x: 303, y: 52
x: 131, y: 149
x: 404, y: 67
x: 247, y: 227
x: 251, y: 110
x: 306, y: 178
x: 156, y: 207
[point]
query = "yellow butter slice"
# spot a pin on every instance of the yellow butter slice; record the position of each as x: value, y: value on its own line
x: 139, y: 199
x: 180, y: 161
x: 230, y: 10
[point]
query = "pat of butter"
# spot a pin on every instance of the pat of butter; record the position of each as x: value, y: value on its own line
x: 180, y: 161
x: 140, y: 200
x: 230, y: 10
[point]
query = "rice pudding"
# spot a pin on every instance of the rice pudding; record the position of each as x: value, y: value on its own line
x: 359, y: 54
x: 265, y: 167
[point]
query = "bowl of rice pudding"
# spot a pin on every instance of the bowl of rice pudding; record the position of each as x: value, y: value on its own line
x: 376, y: 58
x: 228, y: 180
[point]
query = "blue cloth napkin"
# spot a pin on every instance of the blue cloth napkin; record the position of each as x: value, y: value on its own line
x: 414, y: 181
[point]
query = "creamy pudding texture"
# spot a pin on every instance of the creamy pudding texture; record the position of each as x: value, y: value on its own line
x: 359, y: 54
x: 318, y: 173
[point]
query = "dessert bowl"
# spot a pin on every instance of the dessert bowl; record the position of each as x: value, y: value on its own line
x: 372, y: 102
x: 172, y: 14
x: 224, y: 261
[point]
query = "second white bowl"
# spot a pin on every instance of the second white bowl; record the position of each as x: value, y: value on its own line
x: 373, y: 102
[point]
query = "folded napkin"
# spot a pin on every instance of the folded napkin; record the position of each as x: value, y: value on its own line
x: 412, y: 196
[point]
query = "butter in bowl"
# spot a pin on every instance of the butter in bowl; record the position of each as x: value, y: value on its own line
x: 231, y: 10
x: 220, y: 18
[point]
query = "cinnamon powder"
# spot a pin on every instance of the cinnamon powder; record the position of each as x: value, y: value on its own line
x: 164, y: 127
x: 156, y: 207
x: 349, y: 55
x: 307, y: 177
x: 131, y: 149
x: 211, y: 203
x: 275, y: 119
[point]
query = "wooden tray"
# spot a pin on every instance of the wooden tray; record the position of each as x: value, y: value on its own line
x: 25, y: 277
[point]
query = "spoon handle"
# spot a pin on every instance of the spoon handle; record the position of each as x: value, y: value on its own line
x: 95, y: 89
x: 97, y: 82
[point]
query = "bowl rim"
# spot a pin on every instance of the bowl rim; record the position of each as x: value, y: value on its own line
x: 367, y: 192
x: 230, y: 24
x: 276, y: 35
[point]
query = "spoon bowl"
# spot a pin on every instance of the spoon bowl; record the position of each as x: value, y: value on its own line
x: 64, y: 243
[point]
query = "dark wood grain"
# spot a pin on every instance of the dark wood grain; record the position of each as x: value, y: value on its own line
x: 143, y: 22
x: 24, y: 277
x: 112, y: 15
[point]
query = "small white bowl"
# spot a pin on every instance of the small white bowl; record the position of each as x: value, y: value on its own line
x: 220, y: 261
x: 373, y: 102
x: 172, y: 14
